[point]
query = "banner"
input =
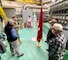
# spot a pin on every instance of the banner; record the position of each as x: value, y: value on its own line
x: 40, y: 26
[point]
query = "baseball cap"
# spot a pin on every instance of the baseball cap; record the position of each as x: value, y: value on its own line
x: 52, y: 21
x: 57, y: 26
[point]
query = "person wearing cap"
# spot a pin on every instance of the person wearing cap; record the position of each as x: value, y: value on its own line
x: 12, y: 38
x: 52, y: 22
x: 57, y: 44
x: 50, y: 34
x: 16, y: 26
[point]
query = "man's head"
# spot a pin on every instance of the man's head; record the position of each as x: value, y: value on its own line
x: 52, y: 22
x: 57, y: 28
x: 14, y: 17
x: 11, y: 22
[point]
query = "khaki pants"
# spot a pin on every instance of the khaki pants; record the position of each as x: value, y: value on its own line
x: 14, y: 47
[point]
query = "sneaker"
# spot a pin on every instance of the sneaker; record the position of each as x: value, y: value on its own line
x: 13, y: 54
x: 47, y: 49
x: 20, y: 55
x: 45, y: 41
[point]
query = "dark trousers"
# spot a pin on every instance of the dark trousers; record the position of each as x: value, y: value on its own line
x: 50, y: 58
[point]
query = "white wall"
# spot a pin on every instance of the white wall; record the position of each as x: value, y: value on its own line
x: 9, y: 12
x: 25, y: 14
x: 18, y: 10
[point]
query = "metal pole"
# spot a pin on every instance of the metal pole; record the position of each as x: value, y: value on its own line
x: 41, y: 2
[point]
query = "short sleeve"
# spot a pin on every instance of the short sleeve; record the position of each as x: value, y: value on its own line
x: 14, y: 33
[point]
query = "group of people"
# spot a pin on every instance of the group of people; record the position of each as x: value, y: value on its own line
x: 11, y: 30
x: 56, y: 41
